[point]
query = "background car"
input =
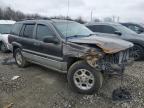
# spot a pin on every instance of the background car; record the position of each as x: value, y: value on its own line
x: 138, y: 28
x: 5, y: 28
x: 115, y: 30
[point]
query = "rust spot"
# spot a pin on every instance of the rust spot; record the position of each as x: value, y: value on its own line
x: 92, y: 58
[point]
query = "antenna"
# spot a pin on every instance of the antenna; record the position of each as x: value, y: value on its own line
x: 91, y: 15
x: 68, y: 2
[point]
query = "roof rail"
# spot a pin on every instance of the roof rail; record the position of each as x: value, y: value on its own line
x: 34, y: 19
x: 45, y: 18
x: 26, y: 19
x: 62, y: 19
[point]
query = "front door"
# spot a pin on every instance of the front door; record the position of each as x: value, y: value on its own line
x: 49, y: 53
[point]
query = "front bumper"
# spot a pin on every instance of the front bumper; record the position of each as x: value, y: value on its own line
x: 116, y: 63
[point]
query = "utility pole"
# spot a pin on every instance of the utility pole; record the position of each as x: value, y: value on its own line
x: 118, y: 19
x: 91, y: 15
x: 113, y: 18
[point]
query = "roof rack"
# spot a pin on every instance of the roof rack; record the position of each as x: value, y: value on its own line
x: 45, y: 18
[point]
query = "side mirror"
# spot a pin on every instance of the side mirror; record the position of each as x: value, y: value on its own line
x: 50, y: 40
x: 118, y: 33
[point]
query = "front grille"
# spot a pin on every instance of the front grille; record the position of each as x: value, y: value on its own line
x: 117, y: 58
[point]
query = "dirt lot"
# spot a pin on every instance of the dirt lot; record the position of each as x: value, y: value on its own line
x: 38, y: 87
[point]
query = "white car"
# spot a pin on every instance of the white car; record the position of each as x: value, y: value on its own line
x: 5, y: 28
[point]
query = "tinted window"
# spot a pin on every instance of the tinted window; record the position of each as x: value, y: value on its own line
x: 102, y: 29
x: 43, y: 31
x: 109, y: 29
x: 28, y: 30
x: 16, y: 29
x: 96, y: 28
x: 5, y: 28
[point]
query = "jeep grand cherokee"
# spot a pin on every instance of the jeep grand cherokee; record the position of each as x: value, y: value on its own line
x: 71, y: 48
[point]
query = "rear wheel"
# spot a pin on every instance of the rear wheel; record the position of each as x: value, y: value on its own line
x: 82, y: 78
x: 20, y: 60
x: 138, y: 52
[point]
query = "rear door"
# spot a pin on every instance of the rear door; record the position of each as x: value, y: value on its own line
x: 27, y: 40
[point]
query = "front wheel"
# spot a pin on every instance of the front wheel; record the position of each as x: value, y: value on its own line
x: 84, y: 79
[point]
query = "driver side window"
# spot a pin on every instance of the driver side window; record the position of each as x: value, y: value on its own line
x: 43, y: 31
x: 109, y: 29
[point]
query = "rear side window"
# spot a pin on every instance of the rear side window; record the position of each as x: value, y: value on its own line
x: 27, y: 30
x: 16, y: 29
x: 43, y: 31
x: 102, y: 29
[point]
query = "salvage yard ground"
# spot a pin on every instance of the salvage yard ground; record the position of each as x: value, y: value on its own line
x: 38, y: 87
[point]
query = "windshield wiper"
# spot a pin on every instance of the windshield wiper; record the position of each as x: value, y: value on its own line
x: 75, y: 36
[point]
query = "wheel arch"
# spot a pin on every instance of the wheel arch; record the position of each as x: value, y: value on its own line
x: 72, y: 60
x: 15, y: 46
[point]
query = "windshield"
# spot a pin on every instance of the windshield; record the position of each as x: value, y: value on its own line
x: 5, y: 28
x: 69, y: 29
x: 124, y: 29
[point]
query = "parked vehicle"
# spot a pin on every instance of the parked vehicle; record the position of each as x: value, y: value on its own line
x: 5, y: 28
x: 115, y: 30
x: 138, y: 28
x: 71, y: 48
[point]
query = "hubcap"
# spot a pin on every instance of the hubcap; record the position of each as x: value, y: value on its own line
x: 19, y: 58
x: 83, y: 79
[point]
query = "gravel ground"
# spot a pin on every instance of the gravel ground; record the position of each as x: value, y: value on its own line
x: 38, y: 87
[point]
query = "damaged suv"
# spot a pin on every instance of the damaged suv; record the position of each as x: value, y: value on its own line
x: 69, y: 47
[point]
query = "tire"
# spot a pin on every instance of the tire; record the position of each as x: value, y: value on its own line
x: 138, y: 52
x: 3, y: 48
x: 20, y: 60
x: 84, y: 79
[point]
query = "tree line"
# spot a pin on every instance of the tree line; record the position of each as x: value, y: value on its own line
x: 9, y: 14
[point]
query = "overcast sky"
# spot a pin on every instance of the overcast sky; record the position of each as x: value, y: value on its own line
x: 127, y: 10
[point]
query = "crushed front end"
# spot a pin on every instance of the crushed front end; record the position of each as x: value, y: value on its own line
x: 110, y: 56
x: 115, y: 63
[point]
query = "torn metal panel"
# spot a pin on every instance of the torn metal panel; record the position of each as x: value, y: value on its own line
x: 74, y: 50
x: 84, y: 52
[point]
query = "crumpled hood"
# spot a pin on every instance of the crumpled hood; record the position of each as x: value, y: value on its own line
x: 108, y: 45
